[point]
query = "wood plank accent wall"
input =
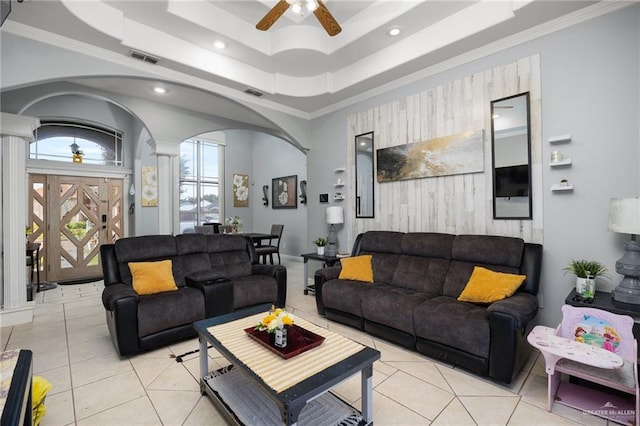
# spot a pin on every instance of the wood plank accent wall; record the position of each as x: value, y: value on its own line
x: 460, y: 204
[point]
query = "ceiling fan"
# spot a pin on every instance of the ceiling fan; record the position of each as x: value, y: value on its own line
x: 318, y: 8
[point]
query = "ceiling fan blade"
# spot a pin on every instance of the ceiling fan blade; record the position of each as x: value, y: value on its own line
x: 272, y: 16
x: 326, y: 19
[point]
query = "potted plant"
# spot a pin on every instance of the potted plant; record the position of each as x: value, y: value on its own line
x: 584, y: 269
x: 320, y: 243
x: 236, y: 224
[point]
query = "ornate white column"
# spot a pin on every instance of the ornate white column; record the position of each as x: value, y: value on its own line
x: 168, y: 152
x: 16, y: 131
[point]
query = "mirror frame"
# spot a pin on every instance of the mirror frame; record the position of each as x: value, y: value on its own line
x: 357, y: 197
x: 529, y: 215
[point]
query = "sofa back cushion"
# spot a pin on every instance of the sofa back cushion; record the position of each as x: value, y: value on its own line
x: 424, y: 262
x: 192, y: 249
x: 386, y: 248
x: 148, y: 248
x: 500, y: 254
x: 229, y: 253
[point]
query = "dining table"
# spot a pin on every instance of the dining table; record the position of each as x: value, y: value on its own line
x: 258, y: 237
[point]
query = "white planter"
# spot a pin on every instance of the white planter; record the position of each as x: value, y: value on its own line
x: 321, y: 250
x: 581, y: 286
x: 580, y: 282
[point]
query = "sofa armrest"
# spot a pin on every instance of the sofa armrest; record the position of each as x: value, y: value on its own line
x: 319, y: 278
x: 522, y: 307
x: 509, y: 321
x: 216, y: 289
x: 117, y: 293
x: 121, y: 304
x: 279, y: 273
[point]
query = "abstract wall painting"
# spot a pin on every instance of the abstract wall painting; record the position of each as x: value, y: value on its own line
x: 449, y: 155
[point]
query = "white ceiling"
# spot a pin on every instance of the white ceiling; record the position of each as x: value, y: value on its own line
x: 295, y: 64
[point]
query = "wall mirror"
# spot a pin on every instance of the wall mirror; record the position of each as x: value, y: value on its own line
x: 511, y: 154
x: 364, y: 175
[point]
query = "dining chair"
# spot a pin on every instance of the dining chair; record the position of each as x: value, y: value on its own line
x: 214, y: 225
x: 271, y: 248
x: 204, y: 230
x: 605, y: 330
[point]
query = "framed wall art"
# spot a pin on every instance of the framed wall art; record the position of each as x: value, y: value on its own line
x: 149, y: 186
x: 284, y: 192
x: 240, y: 190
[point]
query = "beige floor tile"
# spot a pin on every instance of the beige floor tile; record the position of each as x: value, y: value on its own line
x: 387, y: 412
x: 425, y: 371
x: 48, y: 318
x: 527, y: 414
x: 148, y: 369
x: 71, y: 313
x: 174, y: 377
x: 136, y: 412
x: 193, y: 366
x: 5, y: 334
x: 464, y: 383
x: 539, y: 367
x: 181, y: 348
x: 85, y: 322
x: 454, y: 414
x: 98, y: 396
x: 490, y: 410
x: 40, y: 339
x: 385, y: 368
x: 204, y: 414
x: 534, y: 391
x: 98, y: 368
x: 44, y: 309
x: 411, y: 392
x: 87, y: 334
x: 389, y: 352
x: 59, y: 409
x: 163, y: 352
x: 60, y: 379
x: 55, y: 358
x: 174, y: 407
x: 91, y: 349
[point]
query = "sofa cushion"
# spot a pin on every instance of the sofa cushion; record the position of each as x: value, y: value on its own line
x: 487, y: 286
x: 428, y: 244
x: 461, y: 325
x: 488, y: 249
x: 389, y: 244
x: 148, y: 248
x: 459, y: 274
x: 163, y: 311
x: 253, y: 290
x: 420, y: 273
x: 345, y: 295
x: 391, y: 306
x: 357, y: 268
x: 152, y: 277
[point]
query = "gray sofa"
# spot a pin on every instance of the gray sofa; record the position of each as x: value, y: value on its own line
x: 412, y: 301
x: 215, y: 275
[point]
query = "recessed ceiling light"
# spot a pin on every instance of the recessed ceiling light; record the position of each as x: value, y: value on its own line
x: 393, y: 31
x: 160, y: 90
x: 495, y: 116
x: 219, y: 44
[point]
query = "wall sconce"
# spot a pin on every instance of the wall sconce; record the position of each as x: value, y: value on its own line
x: 303, y: 192
x: 265, y: 198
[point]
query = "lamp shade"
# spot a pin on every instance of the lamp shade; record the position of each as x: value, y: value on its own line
x: 624, y: 215
x: 335, y: 215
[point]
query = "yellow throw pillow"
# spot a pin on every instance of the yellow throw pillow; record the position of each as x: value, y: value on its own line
x: 152, y: 277
x: 487, y: 286
x: 357, y: 268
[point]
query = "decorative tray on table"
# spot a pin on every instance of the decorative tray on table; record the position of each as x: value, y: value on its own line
x: 299, y: 340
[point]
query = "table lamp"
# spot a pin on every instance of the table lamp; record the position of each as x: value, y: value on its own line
x: 624, y: 217
x: 335, y: 216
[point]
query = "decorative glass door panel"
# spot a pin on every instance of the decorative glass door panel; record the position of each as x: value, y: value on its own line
x: 83, y: 213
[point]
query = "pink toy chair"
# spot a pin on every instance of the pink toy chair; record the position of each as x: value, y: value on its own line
x: 608, y: 331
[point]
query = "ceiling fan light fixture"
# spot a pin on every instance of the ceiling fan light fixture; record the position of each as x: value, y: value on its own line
x: 296, y: 8
x: 219, y: 44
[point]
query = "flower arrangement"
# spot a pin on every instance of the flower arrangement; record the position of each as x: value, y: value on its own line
x: 274, y: 320
x: 234, y: 221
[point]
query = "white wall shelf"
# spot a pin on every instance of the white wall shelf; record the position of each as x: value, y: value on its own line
x: 339, y: 170
x: 563, y: 162
x: 338, y: 185
x: 556, y: 187
x: 560, y: 139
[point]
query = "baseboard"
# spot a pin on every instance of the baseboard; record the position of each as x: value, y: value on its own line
x: 17, y: 316
x: 291, y: 258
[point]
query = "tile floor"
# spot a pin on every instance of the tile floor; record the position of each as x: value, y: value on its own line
x: 92, y: 385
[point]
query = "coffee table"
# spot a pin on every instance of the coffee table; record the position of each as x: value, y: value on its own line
x: 259, y: 376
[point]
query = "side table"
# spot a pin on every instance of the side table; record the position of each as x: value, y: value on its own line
x: 327, y: 261
x: 603, y: 300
